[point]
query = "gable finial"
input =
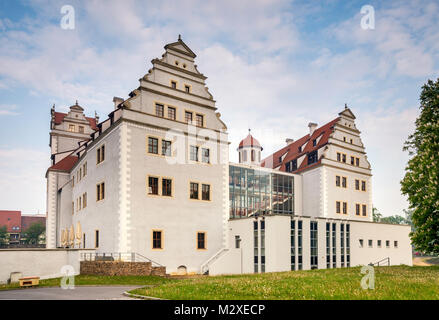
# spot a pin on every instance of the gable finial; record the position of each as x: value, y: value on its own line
x: 179, y: 37
x: 249, y: 130
x: 76, y: 102
x: 345, y: 105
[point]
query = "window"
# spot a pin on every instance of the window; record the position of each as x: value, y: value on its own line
x: 395, y: 244
x: 288, y: 167
x: 200, y: 120
x: 153, y: 185
x: 351, y: 141
x: 205, y: 155
x: 71, y: 127
x: 194, y: 153
x: 171, y: 113
x: 342, y: 246
x: 159, y: 110
x: 379, y: 243
x: 166, y: 148
x: 81, y: 129
x: 357, y: 184
x: 363, y: 185
x: 357, y: 162
x: 294, y: 165
x: 188, y: 117
x: 255, y: 246
x: 387, y: 243
x: 313, y: 246
x: 314, y: 142
x: 300, y: 149
x: 205, y: 192
x: 352, y: 160
x: 253, y: 156
x: 157, y: 239
x: 84, y: 171
x: 370, y: 243
x: 237, y: 242
x: 357, y: 209
x: 100, y: 154
x: 334, y: 246
x: 337, y: 181
x: 345, y: 208
x: 100, y: 191
x: 338, y: 156
x: 153, y: 145
x: 361, y: 243
x: 337, y: 207
x: 344, y: 182
x: 343, y: 158
x: 201, y: 240
x: 293, y: 244
x: 174, y: 84
x: 166, y: 187
x: 83, y: 240
x: 187, y: 88
x: 96, y: 238
x: 193, y: 190
x: 364, y: 210
x: 244, y: 155
x: 312, y: 157
x: 84, y: 200
x: 328, y: 245
x: 344, y: 139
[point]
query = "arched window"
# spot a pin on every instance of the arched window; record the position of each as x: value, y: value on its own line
x: 253, y: 155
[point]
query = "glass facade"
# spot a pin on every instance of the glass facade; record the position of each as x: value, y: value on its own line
x: 257, y: 192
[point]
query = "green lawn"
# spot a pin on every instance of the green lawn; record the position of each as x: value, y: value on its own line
x: 83, y: 280
x: 398, y: 282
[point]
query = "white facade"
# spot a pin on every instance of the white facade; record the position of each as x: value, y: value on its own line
x: 153, y: 179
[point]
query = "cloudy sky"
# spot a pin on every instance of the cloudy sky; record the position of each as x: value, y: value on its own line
x: 272, y: 66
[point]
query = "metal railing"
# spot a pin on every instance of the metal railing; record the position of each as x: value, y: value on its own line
x: 378, y: 263
x: 205, y: 265
x: 117, y: 256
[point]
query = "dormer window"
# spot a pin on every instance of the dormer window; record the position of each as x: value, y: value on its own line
x: 312, y: 157
x: 300, y: 149
x: 314, y: 142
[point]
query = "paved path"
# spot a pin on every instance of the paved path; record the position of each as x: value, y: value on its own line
x: 79, y: 293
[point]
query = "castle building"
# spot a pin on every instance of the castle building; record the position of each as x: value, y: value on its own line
x: 154, y: 178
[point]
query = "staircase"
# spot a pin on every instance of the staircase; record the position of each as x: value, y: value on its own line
x: 205, y: 265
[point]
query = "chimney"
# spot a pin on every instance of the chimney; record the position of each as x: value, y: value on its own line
x: 289, y: 141
x: 117, y: 101
x: 312, y: 126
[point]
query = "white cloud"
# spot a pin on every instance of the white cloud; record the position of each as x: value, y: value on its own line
x: 22, y: 174
x: 8, y: 110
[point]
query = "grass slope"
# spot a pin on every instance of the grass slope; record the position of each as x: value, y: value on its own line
x: 397, y: 282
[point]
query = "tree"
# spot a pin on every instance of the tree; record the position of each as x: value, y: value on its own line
x: 33, y: 233
x: 421, y: 179
x: 396, y: 219
x: 376, y: 215
x: 3, y: 235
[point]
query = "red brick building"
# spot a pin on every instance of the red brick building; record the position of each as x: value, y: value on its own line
x: 17, y: 223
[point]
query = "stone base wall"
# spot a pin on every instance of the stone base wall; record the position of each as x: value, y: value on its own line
x: 120, y: 268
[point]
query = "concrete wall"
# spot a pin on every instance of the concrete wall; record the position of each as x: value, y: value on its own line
x: 44, y: 263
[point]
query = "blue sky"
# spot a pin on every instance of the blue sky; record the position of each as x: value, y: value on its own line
x: 272, y: 66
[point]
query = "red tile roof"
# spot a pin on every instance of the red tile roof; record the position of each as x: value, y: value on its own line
x: 65, y: 164
x: 59, y: 118
x: 28, y: 220
x: 291, y: 151
x: 249, y: 141
x: 11, y: 219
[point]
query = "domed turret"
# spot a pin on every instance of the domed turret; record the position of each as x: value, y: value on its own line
x: 249, y: 150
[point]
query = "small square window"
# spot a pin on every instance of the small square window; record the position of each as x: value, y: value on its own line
x: 153, y: 185
x: 370, y: 243
x: 153, y: 145
x: 201, y: 240
x: 193, y: 190
x: 395, y: 244
x: 188, y: 117
x: 171, y: 113
x: 157, y: 239
x: 205, y: 192
x: 159, y: 110
x: 174, y: 84
x: 187, y: 88
x: 361, y: 243
x: 166, y: 148
x: 194, y: 153
x: 167, y: 187
x: 200, y: 120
